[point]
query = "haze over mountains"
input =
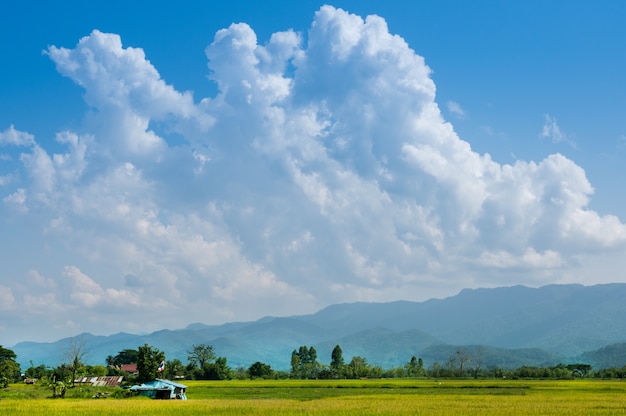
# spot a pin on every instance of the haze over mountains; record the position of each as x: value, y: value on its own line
x: 507, y: 327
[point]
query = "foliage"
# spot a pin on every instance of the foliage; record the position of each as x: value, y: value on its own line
x: 219, y: 370
x: 359, y: 367
x: 174, y: 369
x: 95, y: 370
x: 200, y: 355
x: 612, y: 372
x: 304, y: 363
x: 556, y: 372
x: 58, y: 387
x: 240, y: 373
x: 336, y: 359
x: 72, y: 365
x: 148, y: 360
x: 463, y: 362
x: 260, y: 370
x: 210, y: 370
x: 126, y: 356
x: 415, y: 367
x: 9, y: 372
x: 7, y: 354
x: 62, y: 372
x: 38, y: 372
x: 9, y: 369
x: 579, y: 370
x: 202, y: 367
x: 610, y: 356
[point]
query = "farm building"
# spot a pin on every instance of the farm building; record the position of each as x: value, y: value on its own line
x: 161, y: 389
x: 129, y: 368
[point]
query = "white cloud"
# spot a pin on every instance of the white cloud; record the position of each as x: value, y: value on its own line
x: 321, y: 172
x: 456, y: 110
x: 530, y: 259
x: 85, y: 292
x: 7, y: 300
x: 15, y: 137
x: 553, y: 132
x: 17, y: 200
x: 127, y: 92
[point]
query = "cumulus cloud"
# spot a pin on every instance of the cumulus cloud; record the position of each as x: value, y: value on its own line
x: 126, y: 93
x: 320, y: 172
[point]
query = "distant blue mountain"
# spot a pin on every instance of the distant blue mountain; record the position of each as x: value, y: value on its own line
x: 507, y: 326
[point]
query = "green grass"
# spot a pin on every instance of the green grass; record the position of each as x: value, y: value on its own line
x: 318, y: 389
x: 345, y: 397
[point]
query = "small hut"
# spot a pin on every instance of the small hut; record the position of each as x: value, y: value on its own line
x: 161, y: 389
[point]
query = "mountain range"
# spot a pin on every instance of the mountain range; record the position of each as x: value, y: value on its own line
x: 505, y: 327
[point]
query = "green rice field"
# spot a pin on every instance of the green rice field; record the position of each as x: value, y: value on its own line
x: 344, y: 397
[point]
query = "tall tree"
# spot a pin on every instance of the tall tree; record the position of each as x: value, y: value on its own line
x: 478, y: 360
x: 73, y: 359
x: 312, y: 355
x: 303, y: 353
x: 336, y: 360
x: 304, y: 363
x: 359, y: 366
x: 579, y: 370
x: 295, y: 364
x: 110, y: 361
x: 463, y: 359
x: 6, y: 353
x: 9, y: 369
x: 148, y: 361
x: 126, y: 356
x: 200, y: 355
x: 420, y: 367
x: 219, y: 370
x: 411, y: 367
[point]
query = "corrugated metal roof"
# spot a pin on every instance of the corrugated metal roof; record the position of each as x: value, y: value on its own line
x: 108, y: 381
x: 158, y: 384
x: 171, y: 383
x: 131, y: 368
x: 158, y: 388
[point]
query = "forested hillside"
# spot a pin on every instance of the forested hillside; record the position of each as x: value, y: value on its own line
x: 503, y: 327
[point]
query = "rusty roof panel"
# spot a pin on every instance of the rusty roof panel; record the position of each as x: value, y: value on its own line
x: 102, y: 381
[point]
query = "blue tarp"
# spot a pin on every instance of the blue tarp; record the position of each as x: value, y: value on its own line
x: 161, y: 389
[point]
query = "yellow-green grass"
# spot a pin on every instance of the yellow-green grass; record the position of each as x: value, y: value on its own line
x: 353, y: 397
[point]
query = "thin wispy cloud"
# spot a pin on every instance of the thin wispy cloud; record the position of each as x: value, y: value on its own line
x: 455, y: 109
x: 553, y: 132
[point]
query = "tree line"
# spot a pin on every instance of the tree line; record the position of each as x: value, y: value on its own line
x: 460, y: 365
x: 204, y: 364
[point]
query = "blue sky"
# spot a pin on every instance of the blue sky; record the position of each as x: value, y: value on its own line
x: 213, y: 162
